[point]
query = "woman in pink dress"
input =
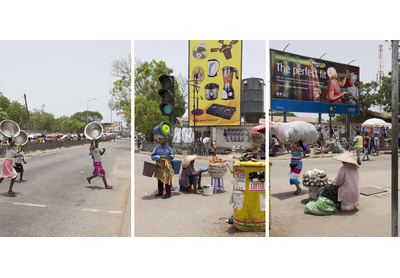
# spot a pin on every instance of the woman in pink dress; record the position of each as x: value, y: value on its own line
x: 334, y: 93
x: 347, y: 179
x: 8, y: 169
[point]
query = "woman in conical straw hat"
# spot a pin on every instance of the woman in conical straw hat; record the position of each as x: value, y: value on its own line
x: 189, y: 175
x: 347, y: 179
x: 162, y: 155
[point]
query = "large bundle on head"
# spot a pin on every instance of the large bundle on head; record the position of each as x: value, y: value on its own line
x: 298, y: 130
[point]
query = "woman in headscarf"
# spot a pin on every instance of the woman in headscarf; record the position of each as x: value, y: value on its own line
x: 162, y: 155
x: 296, y: 164
x: 8, y: 169
x: 334, y: 93
x: 189, y: 175
x: 347, y: 179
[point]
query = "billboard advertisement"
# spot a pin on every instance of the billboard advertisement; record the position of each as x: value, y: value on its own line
x: 304, y: 84
x: 215, y: 73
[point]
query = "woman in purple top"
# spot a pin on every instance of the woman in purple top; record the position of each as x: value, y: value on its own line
x: 347, y: 179
x: 189, y: 175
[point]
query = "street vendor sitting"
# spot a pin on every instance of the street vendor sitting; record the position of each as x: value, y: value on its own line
x: 189, y: 176
x: 347, y: 179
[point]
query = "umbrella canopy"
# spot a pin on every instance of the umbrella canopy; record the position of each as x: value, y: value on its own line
x: 375, y: 122
x: 259, y: 128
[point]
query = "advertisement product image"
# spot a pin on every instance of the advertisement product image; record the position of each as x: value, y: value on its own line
x: 215, y: 72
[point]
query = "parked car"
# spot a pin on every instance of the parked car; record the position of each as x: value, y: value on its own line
x: 118, y: 137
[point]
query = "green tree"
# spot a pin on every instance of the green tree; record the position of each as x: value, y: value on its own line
x: 384, y: 96
x: 147, y: 99
x: 17, y: 113
x: 4, y: 105
x: 87, y: 116
x: 47, y: 122
x: 121, y: 92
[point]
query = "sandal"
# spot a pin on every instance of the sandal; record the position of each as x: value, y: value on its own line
x: 12, y: 193
x: 109, y: 187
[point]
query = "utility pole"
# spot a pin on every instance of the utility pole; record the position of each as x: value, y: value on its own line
x: 27, y: 113
x: 395, y: 131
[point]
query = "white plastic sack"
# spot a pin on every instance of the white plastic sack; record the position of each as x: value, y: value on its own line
x: 298, y: 130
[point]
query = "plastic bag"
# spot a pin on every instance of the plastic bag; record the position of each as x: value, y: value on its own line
x: 322, y: 206
x: 298, y: 130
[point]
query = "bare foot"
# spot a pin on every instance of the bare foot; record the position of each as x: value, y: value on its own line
x: 297, y: 192
x: 88, y: 180
x: 109, y: 187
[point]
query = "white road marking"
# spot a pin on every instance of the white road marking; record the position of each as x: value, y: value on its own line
x: 100, y: 210
x: 30, y: 205
x: 85, y: 209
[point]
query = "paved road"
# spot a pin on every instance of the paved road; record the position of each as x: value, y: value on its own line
x: 184, y: 214
x: 371, y: 218
x: 57, y: 201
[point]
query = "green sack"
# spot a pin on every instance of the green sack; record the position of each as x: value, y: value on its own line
x: 322, y: 206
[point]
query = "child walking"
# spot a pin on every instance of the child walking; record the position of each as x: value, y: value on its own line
x: 19, y: 168
x: 98, y: 169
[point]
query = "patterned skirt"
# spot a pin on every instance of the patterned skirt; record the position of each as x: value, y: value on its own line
x: 8, y: 169
x: 295, y: 173
x: 98, y: 170
x: 164, y: 171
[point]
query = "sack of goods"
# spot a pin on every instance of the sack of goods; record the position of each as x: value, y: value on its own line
x: 217, y: 166
x: 298, y: 130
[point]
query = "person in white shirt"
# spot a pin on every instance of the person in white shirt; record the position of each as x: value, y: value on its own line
x: 19, y: 168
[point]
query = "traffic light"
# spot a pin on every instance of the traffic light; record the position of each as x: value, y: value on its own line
x: 332, y: 111
x: 167, y: 95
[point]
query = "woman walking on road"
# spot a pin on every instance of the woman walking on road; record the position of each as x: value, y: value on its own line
x: 8, y: 169
x: 98, y: 168
x: 296, y: 164
x: 162, y: 155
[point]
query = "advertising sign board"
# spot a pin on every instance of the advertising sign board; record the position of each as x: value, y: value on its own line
x: 304, y: 84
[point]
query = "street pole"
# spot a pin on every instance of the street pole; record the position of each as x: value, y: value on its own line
x: 87, y: 110
x: 27, y: 113
x: 395, y: 131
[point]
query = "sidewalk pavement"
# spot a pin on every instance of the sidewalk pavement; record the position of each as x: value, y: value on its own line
x: 185, y: 214
x: 371, y: 218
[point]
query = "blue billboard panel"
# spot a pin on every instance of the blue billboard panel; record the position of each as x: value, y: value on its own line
x: 304, y: 84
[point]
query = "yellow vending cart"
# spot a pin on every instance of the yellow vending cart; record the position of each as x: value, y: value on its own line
x: 249, y: 195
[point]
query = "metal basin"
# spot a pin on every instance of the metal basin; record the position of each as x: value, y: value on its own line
x: 93, y: 130
x: 22, y: 138
x: 8, y: 128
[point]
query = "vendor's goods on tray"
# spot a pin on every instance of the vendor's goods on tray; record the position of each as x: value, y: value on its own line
x: 315, y: 178
x: 297, y: 130
x: 217, y: 167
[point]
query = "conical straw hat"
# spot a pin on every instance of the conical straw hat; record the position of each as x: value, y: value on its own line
x: 346, y: 157
x: 187, y: 160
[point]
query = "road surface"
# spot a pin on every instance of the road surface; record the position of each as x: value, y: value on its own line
x: 57, y: 201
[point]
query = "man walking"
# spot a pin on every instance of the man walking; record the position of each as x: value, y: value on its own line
x: 358, y: 144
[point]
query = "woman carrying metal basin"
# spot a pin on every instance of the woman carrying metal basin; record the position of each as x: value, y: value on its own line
x: 94, y: 131
x: 9, y: 129
x: 8, y: 169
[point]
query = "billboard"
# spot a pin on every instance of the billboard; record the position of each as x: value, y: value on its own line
x: 304, y: 84
x: 215, y: 73
x: 118, y: 126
